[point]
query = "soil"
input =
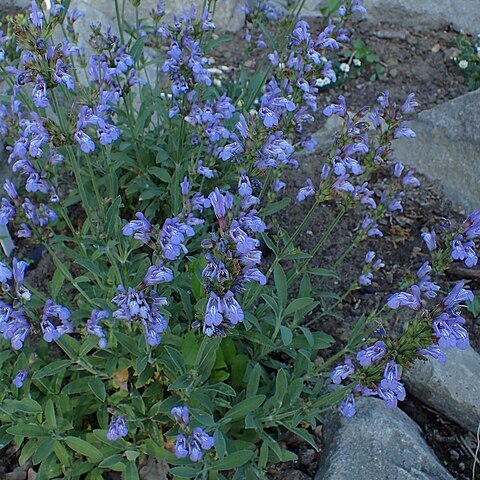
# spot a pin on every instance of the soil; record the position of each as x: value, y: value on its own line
x: 414, y: 61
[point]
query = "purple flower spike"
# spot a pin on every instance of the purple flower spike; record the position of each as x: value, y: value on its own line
x: 347, y: 407
x: 117, y: 429
x: 20, y: 378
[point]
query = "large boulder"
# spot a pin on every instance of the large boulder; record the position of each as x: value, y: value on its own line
x: 461, y: 14
x: 447, y: 147
x: 452, y: 389
x: 377, y: 443
x: 228, y: 17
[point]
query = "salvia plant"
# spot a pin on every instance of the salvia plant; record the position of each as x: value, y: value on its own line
x: 174, y: 319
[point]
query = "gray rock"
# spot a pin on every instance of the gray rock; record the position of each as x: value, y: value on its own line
x: 462, y: 15
x: 377, y: 443
x: 227, y: 14
x: 452, y: 389
x: 447, y: 147
x: 11, y: 4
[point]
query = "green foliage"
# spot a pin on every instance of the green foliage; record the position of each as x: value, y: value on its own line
x: 468, y: 59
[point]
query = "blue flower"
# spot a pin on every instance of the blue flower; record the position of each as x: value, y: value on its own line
x: 117, y: 429
x: 307, y: 191
x: 404, y: 299
x: 158, y: 273
x: 429, y: 239
x: 53, y: 332
x: 20, y: 378
x: 181, y: 449
x: 341, y: 372
x: 39, y: 93
x: 94, y: 327
x: 372, y: 353
x: 347, y: 408
x: 181, y: 415
x: 434, y: 351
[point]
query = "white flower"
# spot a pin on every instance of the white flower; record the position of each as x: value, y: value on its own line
x: 322, y: 82
x: 357, y: 62
x: 345, y: 67
x: 463, y: 64
x: 217, y: 82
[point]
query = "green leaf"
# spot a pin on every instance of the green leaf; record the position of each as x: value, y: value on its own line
x: 137, y: 47
x: 306, y: 304
x: 28, y: 430
x: 275, y: 207
x: 112, y: 217
x: 233, y: 460
x: 241, y: 409
x: 185, y: 472
x: 50, y: 416
x: 56, y: 283
x: 286, y: 334
x: 111, y: 461
x: 161, y: 173
x: 280, y: 284
x: 43, y: 451
x: 98, y: 388
x: 131, y: 472
x: 253, y: 381
x: 51, y: 369
x: 220, y: 444
x: 84, y: 448
x: 303, y: 434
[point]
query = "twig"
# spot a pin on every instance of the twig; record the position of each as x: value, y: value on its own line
x: 475, y: 457
x: 464, y: 272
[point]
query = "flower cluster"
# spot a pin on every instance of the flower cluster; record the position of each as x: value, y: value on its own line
x: 193, y: 443
x: 436, y: 329
x: 233, y: 257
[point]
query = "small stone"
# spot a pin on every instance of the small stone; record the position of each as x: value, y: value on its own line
x: 390, y: 35
x: 436, y: 48
x: 393, y: 72
x: 452, y: 389
x: 377, y: 443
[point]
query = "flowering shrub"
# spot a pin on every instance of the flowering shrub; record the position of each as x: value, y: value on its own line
x: 169, y: 326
